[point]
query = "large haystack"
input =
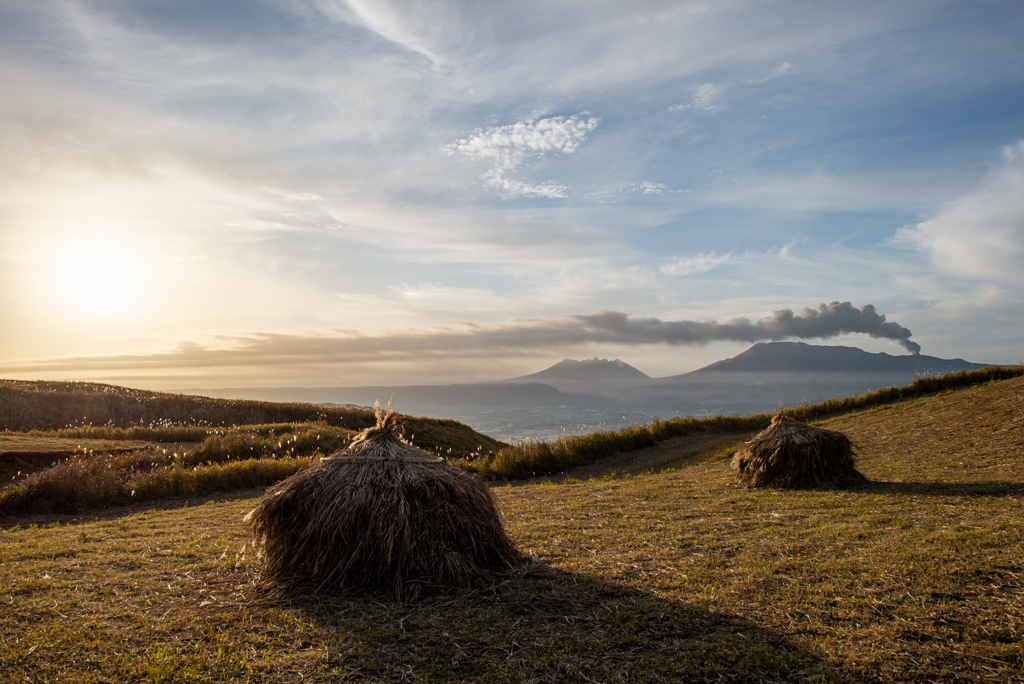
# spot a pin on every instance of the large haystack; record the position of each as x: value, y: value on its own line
x: 793, y: 454
x: 381, y: 515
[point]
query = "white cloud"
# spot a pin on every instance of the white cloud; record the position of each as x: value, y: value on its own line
x: 400, y: 26
x: 507, y: 147
x: 649, y: 188
x: 509, y: 187
x: 775, y: 73
x: 620, y: 193
x: 291, y: 195
x: 702, y: 263
x: 980, y: 235
x: 705, y: 98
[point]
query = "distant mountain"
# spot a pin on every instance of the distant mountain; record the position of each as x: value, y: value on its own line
x: 792, y: 373
x: 592, y: 376
x: 799, y: 357
x: 756, y: 380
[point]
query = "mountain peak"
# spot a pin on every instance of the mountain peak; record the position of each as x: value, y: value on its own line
x: 573, y: 375
x: 800, y: 357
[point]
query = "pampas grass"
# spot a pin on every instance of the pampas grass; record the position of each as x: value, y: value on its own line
x: 793, y: 454
x: 384, y: 516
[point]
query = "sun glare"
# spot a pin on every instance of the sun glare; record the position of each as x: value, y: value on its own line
x: 97, y: 282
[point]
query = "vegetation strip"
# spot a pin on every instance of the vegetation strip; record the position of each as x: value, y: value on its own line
x: 539, y: 458
x: 243, y: 456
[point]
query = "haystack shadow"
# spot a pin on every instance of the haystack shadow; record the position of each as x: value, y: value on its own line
x: 550, y: 625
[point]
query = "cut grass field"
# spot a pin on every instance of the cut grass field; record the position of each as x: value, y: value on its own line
x: 668, y: 576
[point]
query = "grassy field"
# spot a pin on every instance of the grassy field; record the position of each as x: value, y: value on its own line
x: 651, y: 566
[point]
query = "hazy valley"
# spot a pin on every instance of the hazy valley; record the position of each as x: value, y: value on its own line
x: 576, y: 397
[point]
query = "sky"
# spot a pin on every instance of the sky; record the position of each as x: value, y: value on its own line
x: 327, y: 193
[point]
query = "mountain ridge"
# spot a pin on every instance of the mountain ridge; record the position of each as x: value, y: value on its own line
x: 568, y: 373
x: 800, y: 357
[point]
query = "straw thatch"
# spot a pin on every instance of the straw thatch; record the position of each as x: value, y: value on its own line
x: 793, y: 454
x: 385, y: 516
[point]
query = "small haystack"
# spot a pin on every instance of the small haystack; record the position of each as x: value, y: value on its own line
x: 381, y: 515
x: 793, y: 454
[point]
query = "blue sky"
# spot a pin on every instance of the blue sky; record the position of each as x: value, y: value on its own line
x: 332, y: 193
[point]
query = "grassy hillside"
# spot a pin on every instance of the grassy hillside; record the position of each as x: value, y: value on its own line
x: 54, y: 405
x: 72, y: 447
x: 537, y: 459
x: 673, y: 576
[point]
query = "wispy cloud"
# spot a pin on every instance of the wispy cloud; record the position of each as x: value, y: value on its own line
x: 619, y: 194
x: 702, y: 263
x: 507, y: 147
x: 398, y: 25
x: 980, y: 235
x: 783, y: 68
x: 515, y: 188
x: 292, y: 195
x: 706, y: 98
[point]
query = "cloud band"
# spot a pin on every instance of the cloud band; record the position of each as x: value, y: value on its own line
x: 602, y: 327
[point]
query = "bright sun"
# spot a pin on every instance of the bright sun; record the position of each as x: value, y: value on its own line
x: 96, y: 282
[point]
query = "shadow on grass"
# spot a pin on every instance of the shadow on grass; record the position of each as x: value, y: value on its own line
x: 945, y: 488
x: 548, y: 625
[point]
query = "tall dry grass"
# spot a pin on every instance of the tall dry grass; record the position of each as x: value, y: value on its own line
x: 83, y: 484
x: 169, y: 433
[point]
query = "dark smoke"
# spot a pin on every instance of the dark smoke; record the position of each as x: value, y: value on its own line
x: 350, y: 347
x: 829, y: 320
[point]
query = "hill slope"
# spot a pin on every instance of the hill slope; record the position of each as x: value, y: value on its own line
x: 975, y: 430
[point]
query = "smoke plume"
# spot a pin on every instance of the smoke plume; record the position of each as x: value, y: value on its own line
x: 445, y: 345
x: 829, y: 320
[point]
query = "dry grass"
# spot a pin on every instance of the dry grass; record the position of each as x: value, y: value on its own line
x: 679, y: 576
x: 138, y: 477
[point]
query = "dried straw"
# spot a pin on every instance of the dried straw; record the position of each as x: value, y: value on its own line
x: 384, y: 516
x: 798, y: 455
